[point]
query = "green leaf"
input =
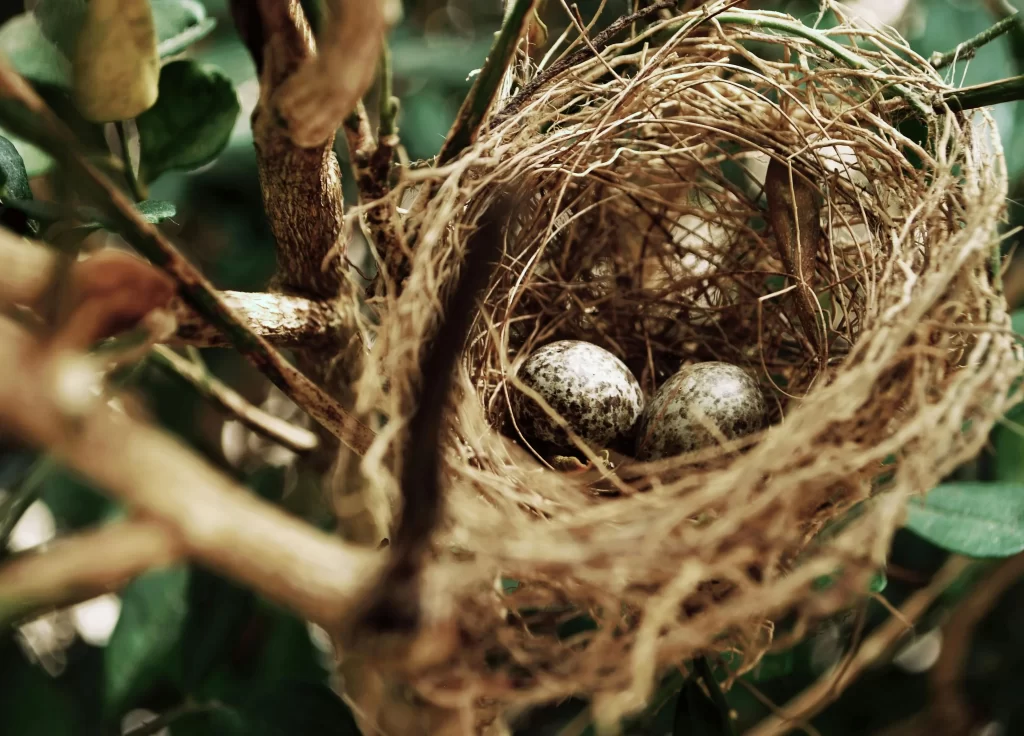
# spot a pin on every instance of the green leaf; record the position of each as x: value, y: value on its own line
x: 179, y: 24
x: 974, y: 519
x: 13, y: 185
x: 32, y: 702
x: 59, y: 21
x: 156, y: 210
x: 696, y: 714
x: 31, y: 53
x: 74, y: 503
x: 217, y: 612
x: 191, y: 122
x: 152, y: 210
x: 145, y: 646
x: 290, y: 708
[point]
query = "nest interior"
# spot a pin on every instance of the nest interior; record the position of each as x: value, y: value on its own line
x: 648, y: 231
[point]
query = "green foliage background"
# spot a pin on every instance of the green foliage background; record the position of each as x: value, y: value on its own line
x: 214, y: 658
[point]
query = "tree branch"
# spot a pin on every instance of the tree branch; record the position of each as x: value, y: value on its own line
x: 25, y: 112
x: 218, y: 522
x: 284, y: 320
x: 80, y: 567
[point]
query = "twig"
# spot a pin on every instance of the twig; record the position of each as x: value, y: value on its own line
x: 951, y: 714
x: 296, y: 439
x: 80, y: 567
x: 598, y: 43
x: 284, y: 320
x: 481, y: 96
x: 389, y: 104
x: 826, y: 690
x: 983, y: 95
x: 219, y: 523
x: 968, y: 48
x: 24, y: 111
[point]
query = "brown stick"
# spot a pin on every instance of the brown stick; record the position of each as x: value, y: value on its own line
x: 84, y: 566
x: 219, y: 523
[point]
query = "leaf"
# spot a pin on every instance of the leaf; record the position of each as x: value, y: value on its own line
x: 217, y: 612
x: 179, y: 24
x: 74, y: 503
x: 293, y: 708
x: 145, y: 645
x: 191, y: 122
x: 974, y: 519
x: 31, y: 702
x: 156, y: 210
x: 31, y: 53
x: 59, y: 21
x: 152, y: 210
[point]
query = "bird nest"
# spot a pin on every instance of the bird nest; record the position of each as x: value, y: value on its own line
x: 650, y: 231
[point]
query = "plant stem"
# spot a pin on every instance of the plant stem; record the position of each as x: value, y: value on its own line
x: 983, y: 95
x: 967, y: 49
x: 478, y: 102
x: 166, y: 718
x: 389, y: 104
x: 138, y: 190
x: 294, y: 438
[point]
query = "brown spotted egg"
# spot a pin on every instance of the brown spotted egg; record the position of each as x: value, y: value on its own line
x: 677, y: 417
x: 591, y: 389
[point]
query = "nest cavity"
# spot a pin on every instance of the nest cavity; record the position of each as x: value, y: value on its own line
x: 645, y: 228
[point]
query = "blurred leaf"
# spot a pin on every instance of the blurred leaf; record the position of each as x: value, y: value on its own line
x: 146, y: 642
x: 59, y: 21
x: 294, y: 708
x: 214, y: 722
x: 974, y: 519
x: 217, y: 611
x: 191, y: 122
x: 179, y: 24
x: 73, y: 502
x: 31, y: 53
x: 31, y: 702
x: 152, y: 210
x: 772, y: 665
x: 289, y: 653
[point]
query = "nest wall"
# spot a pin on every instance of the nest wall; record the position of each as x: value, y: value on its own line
x: 646, y: 231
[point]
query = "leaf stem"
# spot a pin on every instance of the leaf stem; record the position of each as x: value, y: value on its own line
x: 138, y: 189
x: 968, y: 48
x: 481, y: 96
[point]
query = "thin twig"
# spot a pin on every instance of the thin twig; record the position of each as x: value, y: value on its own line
x: 481, y: 96
x: 26, y: 112
x: 826, y: 690
x: 968, y: 48
x: 296, y: 439
x: 82, y: 566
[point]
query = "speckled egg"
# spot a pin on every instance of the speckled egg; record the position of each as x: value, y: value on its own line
x: 720, y: 393
x: 590, y: 388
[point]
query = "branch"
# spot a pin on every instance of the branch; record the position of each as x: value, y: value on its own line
x: 950, y: 712
x: 301, y: 187
x: 80, y: 567
x: 25, y: 112
x: 284, y: 320
x: 828, y: 689
x: 983, y: 95
x: 968, y: 48
x: 294, y: 438
x: 218, y: 522
x: 480, y: 98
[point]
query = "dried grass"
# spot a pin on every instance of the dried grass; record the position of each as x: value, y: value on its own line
x: 636, y: 158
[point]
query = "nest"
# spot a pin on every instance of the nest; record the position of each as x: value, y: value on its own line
x: 647, y: 233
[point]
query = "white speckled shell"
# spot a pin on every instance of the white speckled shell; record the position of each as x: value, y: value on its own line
x: 589, y: 387
x: 722, y: 393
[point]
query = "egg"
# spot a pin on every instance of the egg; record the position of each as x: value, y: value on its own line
x: 591, y: 389
x: 676, y: 418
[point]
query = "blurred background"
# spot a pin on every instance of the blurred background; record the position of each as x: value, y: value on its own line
x: 180, y: 640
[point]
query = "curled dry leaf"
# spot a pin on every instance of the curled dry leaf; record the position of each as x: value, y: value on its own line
x: 323, y: 92
x: 116, y: 66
